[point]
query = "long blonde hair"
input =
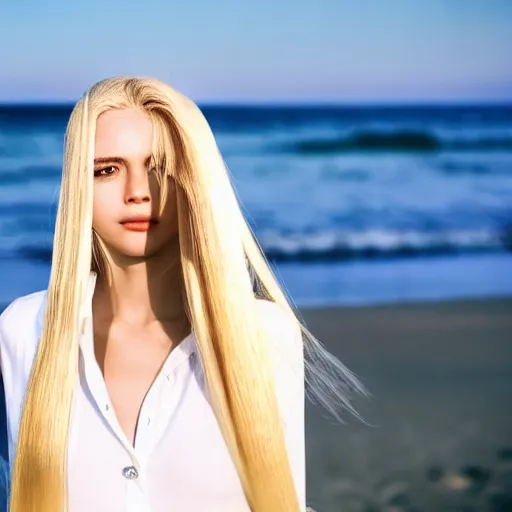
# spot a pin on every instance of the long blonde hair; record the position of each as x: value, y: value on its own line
x: 223, y: 269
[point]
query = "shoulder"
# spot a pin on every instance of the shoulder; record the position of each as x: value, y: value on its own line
x: 21, y: 314
x: 278, y: 321
x: 284, y: 333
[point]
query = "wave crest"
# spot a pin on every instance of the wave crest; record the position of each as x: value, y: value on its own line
x: 396, y: 141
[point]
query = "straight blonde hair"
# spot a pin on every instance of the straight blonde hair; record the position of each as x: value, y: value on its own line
x: 223, y: 269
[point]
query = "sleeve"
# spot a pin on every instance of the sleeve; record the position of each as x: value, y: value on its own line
x: 5, y: 318
x: 4, y: 466
x: 288, y: 358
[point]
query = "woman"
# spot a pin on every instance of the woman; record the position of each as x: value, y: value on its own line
x: 163, y: 369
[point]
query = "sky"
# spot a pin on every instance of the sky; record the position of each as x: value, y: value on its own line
x: 242, y: 51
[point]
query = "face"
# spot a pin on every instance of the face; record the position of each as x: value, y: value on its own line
x: 126, y: 191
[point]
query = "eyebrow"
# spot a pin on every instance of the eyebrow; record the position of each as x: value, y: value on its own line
x: 115, y: 160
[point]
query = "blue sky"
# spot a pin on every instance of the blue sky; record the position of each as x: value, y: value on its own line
x: 266, y: 50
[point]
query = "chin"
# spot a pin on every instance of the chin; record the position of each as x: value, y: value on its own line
x: 136, y: 246
x: 136, y: 253
x: 139, y: 250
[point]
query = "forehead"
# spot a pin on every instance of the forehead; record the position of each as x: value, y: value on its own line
x: 126, y: 133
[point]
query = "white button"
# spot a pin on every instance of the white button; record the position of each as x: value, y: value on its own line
x: 170, y: 377
x: 130, y: 472
x: 107, y: 407
x: 149, y: 420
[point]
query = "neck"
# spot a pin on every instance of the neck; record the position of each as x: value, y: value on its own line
x: 142, y: 291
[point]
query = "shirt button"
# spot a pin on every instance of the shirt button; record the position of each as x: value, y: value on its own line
x: 130, y: 472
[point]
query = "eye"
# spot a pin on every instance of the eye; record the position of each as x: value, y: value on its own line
x: 105, y: 171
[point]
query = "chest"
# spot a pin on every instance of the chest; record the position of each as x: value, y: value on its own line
x: 130, y: 363
x: 182, y: 459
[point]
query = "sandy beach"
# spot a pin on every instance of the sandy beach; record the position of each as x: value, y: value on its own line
x: 440, y: 415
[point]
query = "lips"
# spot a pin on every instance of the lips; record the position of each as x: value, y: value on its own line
x: 139, y: 224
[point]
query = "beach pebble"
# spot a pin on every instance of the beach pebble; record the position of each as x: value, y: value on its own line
x: 478, y: 475
x: 456, y: 482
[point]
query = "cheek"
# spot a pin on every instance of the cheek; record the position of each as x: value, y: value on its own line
x: 102, y: 208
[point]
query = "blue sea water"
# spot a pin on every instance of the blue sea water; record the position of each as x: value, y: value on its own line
x: 352, y: 205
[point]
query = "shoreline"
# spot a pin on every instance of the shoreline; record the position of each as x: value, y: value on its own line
x: 409, y: 304
x: 311, y: 309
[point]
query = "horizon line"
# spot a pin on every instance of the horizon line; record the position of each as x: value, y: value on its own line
x: 255, y: 103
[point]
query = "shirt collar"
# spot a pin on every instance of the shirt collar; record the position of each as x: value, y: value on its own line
x: 179, y: 354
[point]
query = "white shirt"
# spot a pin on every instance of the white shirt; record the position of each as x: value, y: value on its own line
x: 179, y: 461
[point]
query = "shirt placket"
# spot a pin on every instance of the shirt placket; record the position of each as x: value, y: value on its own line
x: 151, y: 426
x: 134, y: 471
x: 159, y: 406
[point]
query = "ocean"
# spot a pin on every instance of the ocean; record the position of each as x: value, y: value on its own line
x: 352, y: 205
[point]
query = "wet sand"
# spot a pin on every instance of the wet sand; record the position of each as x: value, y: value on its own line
x: 440, y: 438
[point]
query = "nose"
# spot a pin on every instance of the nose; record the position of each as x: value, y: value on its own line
x: 137, y: 188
